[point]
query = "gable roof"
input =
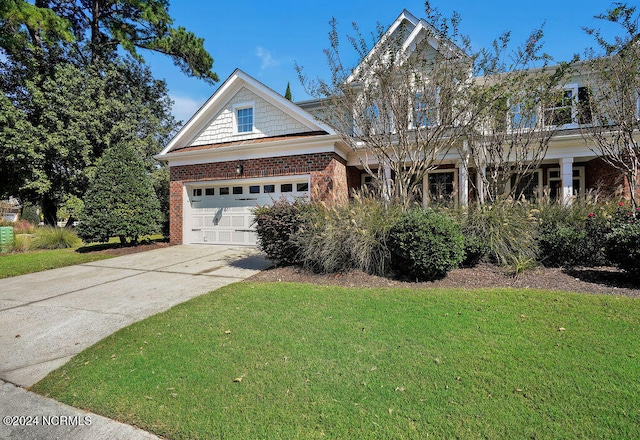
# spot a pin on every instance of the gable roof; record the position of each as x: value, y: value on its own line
x: 417, y: 28
x: 232, y: 85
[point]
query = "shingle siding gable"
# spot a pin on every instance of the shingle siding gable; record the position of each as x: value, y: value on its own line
x: 268, y: 121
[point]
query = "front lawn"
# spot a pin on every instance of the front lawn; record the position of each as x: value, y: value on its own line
x: 279, y: 360
x: 36, y: 261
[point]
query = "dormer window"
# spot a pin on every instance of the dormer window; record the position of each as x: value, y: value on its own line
x: 244, y: 117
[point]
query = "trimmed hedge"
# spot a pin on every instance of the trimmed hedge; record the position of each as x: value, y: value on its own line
x: 425, y: 245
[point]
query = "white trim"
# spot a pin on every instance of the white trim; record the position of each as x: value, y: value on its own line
x: 249, y: 151
x: 581, y: 178
x: 538, y: 193
x: 238, y: 79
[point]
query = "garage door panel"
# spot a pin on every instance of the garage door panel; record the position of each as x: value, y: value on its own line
x: 216, y: 218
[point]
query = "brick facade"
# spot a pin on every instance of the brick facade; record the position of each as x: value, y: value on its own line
x: 328, y: 179
x: 603, y: 177
x: 175, y: 212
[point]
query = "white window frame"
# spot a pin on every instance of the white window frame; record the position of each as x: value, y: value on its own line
x: 581, y: 178
x: 574, y: 88
x: 430, y: 121
x: 540, y: 191
x: 515, y: 110
x: 243, y: 106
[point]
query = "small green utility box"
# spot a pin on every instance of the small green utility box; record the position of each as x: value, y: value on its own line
x: 6, y: 237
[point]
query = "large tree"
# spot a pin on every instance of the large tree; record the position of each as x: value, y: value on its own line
x: 60, y: 125
x: 515, y: 96
x: 612, y: 75
x: 96, y: 29
x: 69, y: 93
x: 401, y: 110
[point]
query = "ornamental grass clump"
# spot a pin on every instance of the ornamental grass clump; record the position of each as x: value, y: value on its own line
x: 49, y: 237
x: 507, y: 229
x: 425, y: 245
x: 347, y: 237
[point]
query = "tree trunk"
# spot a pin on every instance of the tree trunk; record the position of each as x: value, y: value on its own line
x: 49, y: 211
x: 70, y: 222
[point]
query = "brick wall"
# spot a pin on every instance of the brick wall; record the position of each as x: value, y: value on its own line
x: 602, y: 176
x: 175, y: 212
x: 328, y: 179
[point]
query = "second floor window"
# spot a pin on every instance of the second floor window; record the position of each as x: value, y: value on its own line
x: 560, y: 112
x: 426, y: 110
x: 244, y: 118
x: 524, y: 115
x: 571, y: 108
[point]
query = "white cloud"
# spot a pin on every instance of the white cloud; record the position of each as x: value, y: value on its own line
x: 184, y: 107
x: 266, y: 58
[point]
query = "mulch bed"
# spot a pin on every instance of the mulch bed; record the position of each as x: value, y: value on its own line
x: 602, y: 280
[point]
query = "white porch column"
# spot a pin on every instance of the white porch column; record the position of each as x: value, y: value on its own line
x: 463, y: 183
x: 387, y: 181
x: 566, y: 172
x: 463, y: 175
x: 481, y: 171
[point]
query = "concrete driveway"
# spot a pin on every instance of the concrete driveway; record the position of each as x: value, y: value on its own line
x: 47, y: 317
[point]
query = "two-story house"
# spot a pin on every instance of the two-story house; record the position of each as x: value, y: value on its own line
x: 248, y: 145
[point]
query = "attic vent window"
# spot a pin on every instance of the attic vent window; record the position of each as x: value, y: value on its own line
x: 244, y: 119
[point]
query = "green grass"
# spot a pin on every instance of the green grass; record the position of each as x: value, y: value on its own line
x: 329, y: 362
x: 21, y: 263
x: 36, y: 261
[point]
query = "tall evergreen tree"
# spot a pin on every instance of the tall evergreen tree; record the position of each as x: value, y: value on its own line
x: 287, y: 93
x: 120, y: 200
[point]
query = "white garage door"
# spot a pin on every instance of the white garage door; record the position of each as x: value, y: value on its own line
x: 221, y: 213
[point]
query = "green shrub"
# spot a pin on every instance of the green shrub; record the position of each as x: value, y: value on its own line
x: 49, y: 237
x: 623, y: 242
x: 351, y: 236
x: 120, y: 200
x: 573, y: 235
x: 425, y: 245
x: 275, y: 226
x: 30, y: 214
x: 475, y: 249
x: 623, y: 247
x: 562, y: 246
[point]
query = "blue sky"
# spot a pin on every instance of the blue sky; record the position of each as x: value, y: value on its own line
x: 266, y: 38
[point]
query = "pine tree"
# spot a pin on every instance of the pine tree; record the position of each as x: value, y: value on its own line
x: 120, y: 200
x: 287, y: 93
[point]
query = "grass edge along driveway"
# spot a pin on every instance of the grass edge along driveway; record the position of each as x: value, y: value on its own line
x: 279, y: 360
x: 37, y: 261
